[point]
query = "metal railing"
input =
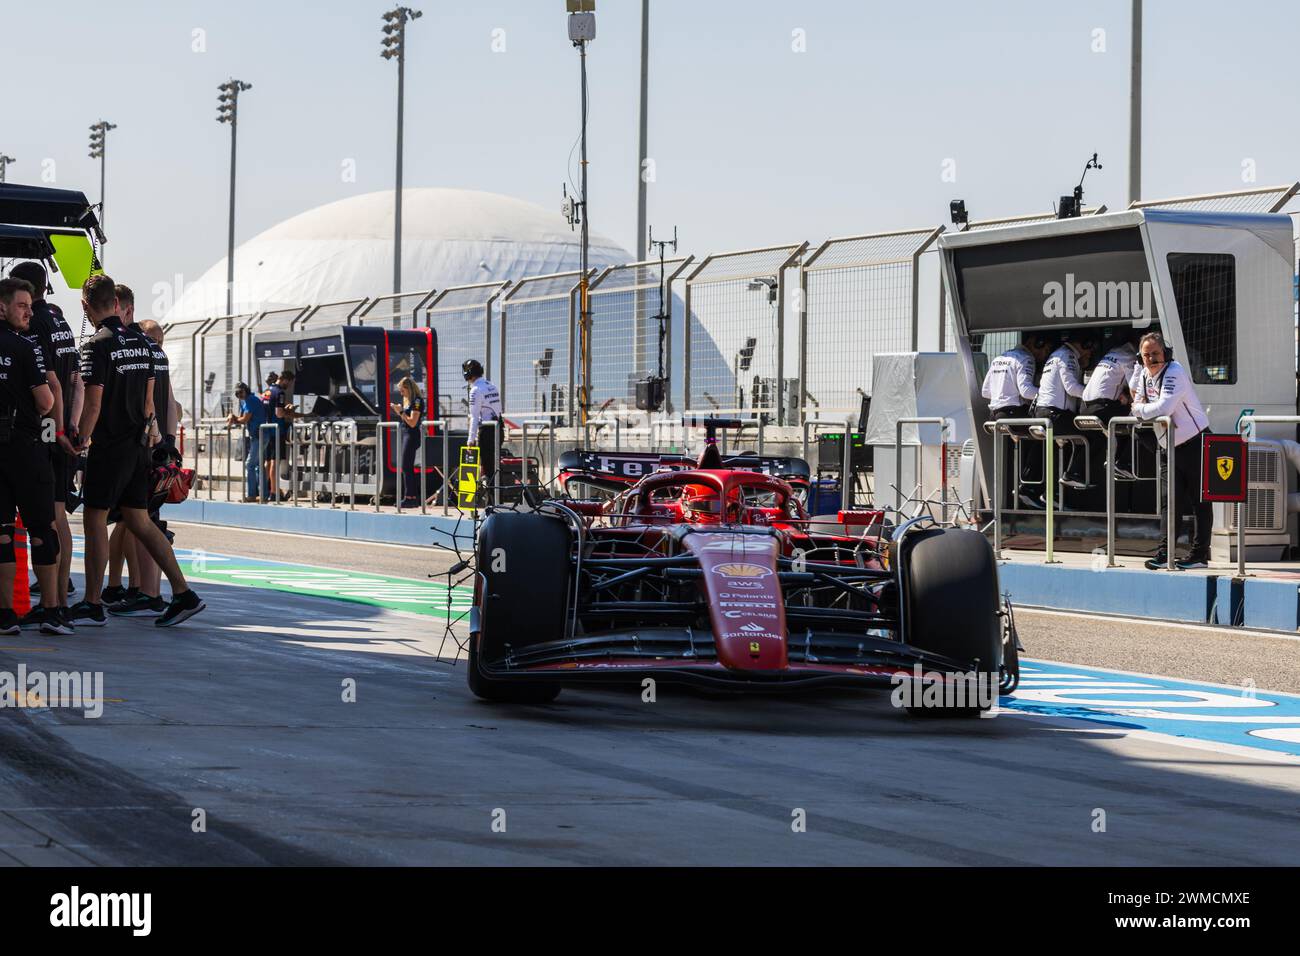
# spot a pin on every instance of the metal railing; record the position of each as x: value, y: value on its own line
x: 1171, y: 504
x: 1000, y: 428
x: 1246, y: 429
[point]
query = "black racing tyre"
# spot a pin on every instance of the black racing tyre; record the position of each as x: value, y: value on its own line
x: 525, y: 563
x: 951, y: 606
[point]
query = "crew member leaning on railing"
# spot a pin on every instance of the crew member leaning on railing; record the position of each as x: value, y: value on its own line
x: 1011, y: 385
x: 1059, y: 392
x: 1160, y: 387
x: 1107, y: 395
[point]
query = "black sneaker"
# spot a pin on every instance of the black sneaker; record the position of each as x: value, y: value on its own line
x: 55, y: 622
x: 1031, y: 501
x: 85, y: 614
x: 35, y: 618
x: 113, y: 594
x: 8, y: 621
x: 1159, y: 561
x: 141, y: 605
x: 183, y: 606
x: 1193, y: 562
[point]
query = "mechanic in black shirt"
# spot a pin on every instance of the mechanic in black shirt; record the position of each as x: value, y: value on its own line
x: 62, y: 371
x: 122, y: 546
x: 26, y: 482
x: 117, y: 370
x: 145, y: 597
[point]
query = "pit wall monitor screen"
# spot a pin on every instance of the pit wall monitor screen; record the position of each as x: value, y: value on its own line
x: 1093, y: 278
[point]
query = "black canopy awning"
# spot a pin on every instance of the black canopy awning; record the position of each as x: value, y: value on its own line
x: 42, y: 206
x: 24, y: 242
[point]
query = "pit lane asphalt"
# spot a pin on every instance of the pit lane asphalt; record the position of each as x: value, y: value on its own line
x: 240, y: 713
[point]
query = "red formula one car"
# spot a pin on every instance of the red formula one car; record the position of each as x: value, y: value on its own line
x: 712, y: 576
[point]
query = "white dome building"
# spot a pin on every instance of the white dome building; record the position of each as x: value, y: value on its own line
x: 344, y: 250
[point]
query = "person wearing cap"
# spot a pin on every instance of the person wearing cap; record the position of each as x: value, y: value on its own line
x: 252, y: 415
x: 484, y: 406
x: 1163, y: 387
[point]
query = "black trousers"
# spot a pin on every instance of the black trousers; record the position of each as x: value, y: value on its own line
x: 410, y: 477
x: 1031, y: 454
x: 1187, y: 495
x: 1062, y: 424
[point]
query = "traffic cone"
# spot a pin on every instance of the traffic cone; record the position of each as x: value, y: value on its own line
x: 22, y: 596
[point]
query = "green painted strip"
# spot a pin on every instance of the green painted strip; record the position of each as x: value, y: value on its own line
x: 394, y: 594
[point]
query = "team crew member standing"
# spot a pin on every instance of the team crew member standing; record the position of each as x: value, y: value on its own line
x: 26, y: 481
x: 117, y: 369
x: 1010, y: 389
x: 59, y: 352
x: 280, y: 412
x: 121, y: 546
x: 411, y: 413
x: 484, y: 406
x: 252, y: 415
x: 1106, y: 395
x: 146, y: 576
x: 1163, y: 387
x: 1058, y: 398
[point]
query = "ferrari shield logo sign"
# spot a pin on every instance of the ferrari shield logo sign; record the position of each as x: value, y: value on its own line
x: 1223, y: 468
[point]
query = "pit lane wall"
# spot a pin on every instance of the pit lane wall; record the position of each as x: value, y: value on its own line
x: 1268, y: 603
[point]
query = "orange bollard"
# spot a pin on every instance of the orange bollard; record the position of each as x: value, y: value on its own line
x: 22, y: 596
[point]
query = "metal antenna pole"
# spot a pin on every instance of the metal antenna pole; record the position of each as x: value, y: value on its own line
x: 397, y: 198
x: 584, y: 315
x: 1135, y: 107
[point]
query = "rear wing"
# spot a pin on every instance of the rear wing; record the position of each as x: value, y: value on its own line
x: 635, y: 465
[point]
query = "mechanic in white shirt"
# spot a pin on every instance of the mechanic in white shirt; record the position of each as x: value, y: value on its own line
x: 1163, y: 387
x: 484, y: 406
x: 1107, y: 395
x: 1010, y: 385
x: 1059, y: 392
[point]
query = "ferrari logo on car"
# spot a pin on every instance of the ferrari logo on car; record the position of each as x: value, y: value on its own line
x: 738, y: 570
x: 1225, y: 466
x: 754, y: 648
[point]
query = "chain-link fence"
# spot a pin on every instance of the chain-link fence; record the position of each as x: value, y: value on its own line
x: 735, y: 353
x: 539, y: 319
x: 861, y: 297
x: 1265, y: 199
x: 462, y: 318
x: 631, y: 329
x: 398, y: 311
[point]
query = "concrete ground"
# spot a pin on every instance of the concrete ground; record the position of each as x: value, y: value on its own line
x: 239, y: 719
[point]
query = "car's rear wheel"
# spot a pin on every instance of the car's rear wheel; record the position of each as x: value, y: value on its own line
x: 524, y: 561
x: 950, y: 605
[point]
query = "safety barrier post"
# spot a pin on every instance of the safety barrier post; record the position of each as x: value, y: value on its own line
x: 230, y: 460
x: 446, y: 469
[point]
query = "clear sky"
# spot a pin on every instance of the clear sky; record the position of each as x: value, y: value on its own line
x: 769, y: 121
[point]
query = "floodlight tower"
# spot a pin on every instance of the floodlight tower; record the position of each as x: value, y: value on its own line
x: 394, y: 48
x: 98, y: 139
x: 582, y: 30
x: 5, y: 160
x: 228, y: 112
